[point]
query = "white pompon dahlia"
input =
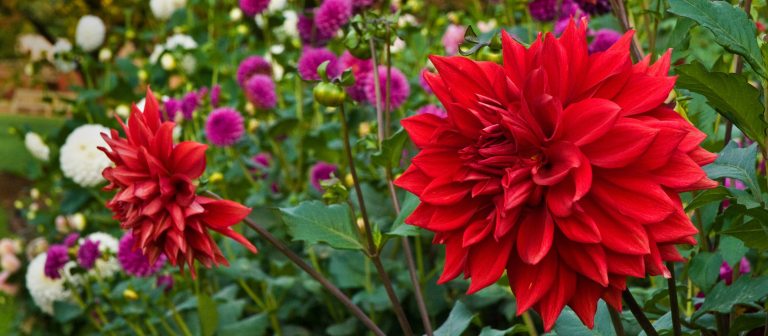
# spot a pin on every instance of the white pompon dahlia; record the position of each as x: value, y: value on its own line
x: 163, y: 9
x: 108, y: 246
x: 36, y: 146
x: 90, y: 33
x: 81, y: 160
x: 44, y: 290
x: 61, y: 55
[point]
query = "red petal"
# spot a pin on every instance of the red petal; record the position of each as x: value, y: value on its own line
x: 587, y: 259
x: 535, y: 236
x: 531, y: 282
x: 486, y: 262
x: 221, y: 214
x: 579, y: 227
x: 189, y: 159
x: 552, y: 304
x: 624, y: 143
x: 584, y: 301
x: 422, y: 127
x: 586, y: 121
x: 455, y: 257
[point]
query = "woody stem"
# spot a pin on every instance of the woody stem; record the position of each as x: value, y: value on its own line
x: 298, y: 261
x: 373, y: 250
x: 642, y: 320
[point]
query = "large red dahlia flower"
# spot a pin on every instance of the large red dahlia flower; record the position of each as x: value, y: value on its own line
x: 156, y: 198
x: 561, y: 167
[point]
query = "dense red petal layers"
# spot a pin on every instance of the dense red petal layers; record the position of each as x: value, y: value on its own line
x: 561, y: 167
x: 156, y: 196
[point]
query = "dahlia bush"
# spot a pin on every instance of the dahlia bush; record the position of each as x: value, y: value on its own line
x: 420, y: 167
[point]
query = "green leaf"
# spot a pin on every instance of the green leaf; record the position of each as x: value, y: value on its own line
x: 316, y: 222
x: 569, y: 324
x: 516, y: 329
x: 705, y: 268
x: 458, y: 321
x: 745, y: 290
x: 707, y: 196
x: 399, y: 228
x: 732, y: 249
x: 730, y: 27
x: 209, y: 316
x: 253, y: 326
x: 391, y: 150
x: 65, y: 311
x: 731, y: 94
x: 738, y: 163
x: 751, y: 233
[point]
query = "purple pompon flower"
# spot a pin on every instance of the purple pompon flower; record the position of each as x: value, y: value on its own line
x: 58, y: 256
x: 452, y: 38
x: 252, y: 65
x: 88, y: 253
x: 224, y: 126
x: 260, y: 91
x: 603, y: 39
x: 253, y: 7
x: 189, y: 104
x: 399, y: 89
x: 165, y: 282
x: 71, y: 239
x: 726, y: 272
x: 319, y: 172
x: 559, y: 26
x: 202, y: 92
x: 215, y: 95
x: 263, y: 160
x: 172, y: 108
x: 595, y: 7
x: 433, y: 110
x: 546, y: 10
x: 310, y: 60
x: 358, y: 5
x: 133, y: 261
x: 309, y: 33
x: 332, y: 15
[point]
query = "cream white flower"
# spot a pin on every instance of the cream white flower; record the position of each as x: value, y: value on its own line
x: 168, y: 62
x: 188, y: 64
x: 90, y: 33
x: 108, y: 245
x: 44, y: 290
x: 289, y: 24
x: 141, y: 103
x: 276, y: 5
x: 36, y: 146
x: 163, y: 9
x: 397, y: 46
x: 61, y: 59
x: 105, y: 54
x: 182, y: 41
x: 235, y: 14
x: 81, y: 160
x: 123, y: 111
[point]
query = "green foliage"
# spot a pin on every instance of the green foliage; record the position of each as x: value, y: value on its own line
x: 738, y: 163
x: 730, y: 26
x: 316, y: 222
x: 730, y: 94
x: 744, y: 291
x: 458, y: 321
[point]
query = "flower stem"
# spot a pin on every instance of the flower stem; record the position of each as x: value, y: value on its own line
x: 293, y: 257
x: 672, y: 287
x: 529, y: 324
x: 616, y: 321
x: 377, y: 90
x: 180, y: 321
x: 388, y: 95
x: 642, y: 320
x: 410, y: 262
x: 373, y: 250
x: 621, y: 13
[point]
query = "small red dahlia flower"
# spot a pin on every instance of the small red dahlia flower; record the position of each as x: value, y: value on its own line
x: 156, y: 194
x: 561, y: 167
